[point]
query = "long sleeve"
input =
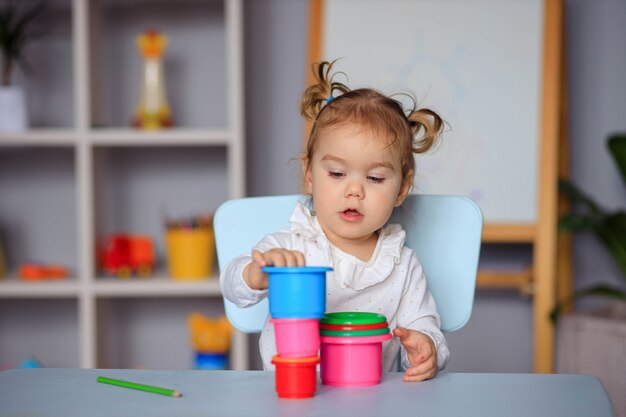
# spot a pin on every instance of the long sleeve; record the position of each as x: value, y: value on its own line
x: 418, y: 311
x: 233, y: 286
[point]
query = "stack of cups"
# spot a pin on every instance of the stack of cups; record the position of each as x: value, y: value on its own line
x: 351, y: 348
x: 297, y: 298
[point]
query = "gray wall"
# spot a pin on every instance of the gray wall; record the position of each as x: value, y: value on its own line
x: 276, y: 45
x: 597, y: 108
x: 499, y: 335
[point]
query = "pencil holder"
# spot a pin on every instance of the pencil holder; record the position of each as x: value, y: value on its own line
x: 190, y: 253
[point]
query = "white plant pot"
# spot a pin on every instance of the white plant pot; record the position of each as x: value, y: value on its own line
x: 13, y: 117
x: 596, y: 345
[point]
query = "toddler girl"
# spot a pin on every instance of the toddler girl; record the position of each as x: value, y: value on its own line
x: 358, y: 166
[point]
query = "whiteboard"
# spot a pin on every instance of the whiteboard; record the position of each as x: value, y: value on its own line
x: 478, y: 63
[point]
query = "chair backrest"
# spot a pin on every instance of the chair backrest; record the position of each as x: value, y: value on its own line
x: 444, y: 231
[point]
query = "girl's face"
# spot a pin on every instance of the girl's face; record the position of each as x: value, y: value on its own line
x: 355, y: 180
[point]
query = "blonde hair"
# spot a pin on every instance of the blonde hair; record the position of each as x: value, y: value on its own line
x: 413, y: 132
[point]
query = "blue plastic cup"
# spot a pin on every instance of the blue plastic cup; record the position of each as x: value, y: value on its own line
x: 297, y: 292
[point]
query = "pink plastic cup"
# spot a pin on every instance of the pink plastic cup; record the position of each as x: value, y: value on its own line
x: 352, y: 361
x: 297, y: 338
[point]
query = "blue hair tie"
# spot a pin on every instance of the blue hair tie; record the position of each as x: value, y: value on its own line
x: 329, y: 99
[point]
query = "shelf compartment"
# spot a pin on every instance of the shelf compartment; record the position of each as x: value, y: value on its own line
x: 141, y: 188
x: 44, y: 329
x: 194, y: 62
x: 38, y: 206
x: 149, y: 333
x: 49, y: 83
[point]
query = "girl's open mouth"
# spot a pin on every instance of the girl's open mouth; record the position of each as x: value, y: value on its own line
x: 351, y: 215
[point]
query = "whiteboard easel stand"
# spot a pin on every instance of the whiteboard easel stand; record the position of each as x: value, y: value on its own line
x: 545, y: 249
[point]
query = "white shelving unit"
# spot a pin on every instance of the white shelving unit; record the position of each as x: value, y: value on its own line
x: 81, y: 173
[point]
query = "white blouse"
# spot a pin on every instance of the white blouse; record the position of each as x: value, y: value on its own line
x: 391, y: 283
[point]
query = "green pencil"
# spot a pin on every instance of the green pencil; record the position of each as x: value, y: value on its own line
x: 140, y: 387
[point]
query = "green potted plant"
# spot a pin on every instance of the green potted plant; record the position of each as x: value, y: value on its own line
x: 594, y: 343
x: 18, y: 28
x: 609, y: 227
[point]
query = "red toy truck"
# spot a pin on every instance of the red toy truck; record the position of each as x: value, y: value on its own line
x: 125, y: 255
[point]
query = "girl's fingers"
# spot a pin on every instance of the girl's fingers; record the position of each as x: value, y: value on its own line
x: 293, y: 258
x: 288, y: 258
x: 253, y: 274
x: 300, y: 259
x: 258, y: 258
x: 402, y: 334
x: 277, y: 259
x: 282, y: 257
x: 421, y: 372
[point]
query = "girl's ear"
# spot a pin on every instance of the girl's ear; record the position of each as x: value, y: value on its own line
x: 307, y: 176
x: 308, y: 181
x: 404, y: 189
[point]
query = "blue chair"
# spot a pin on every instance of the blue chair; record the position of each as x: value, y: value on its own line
x: 444, y: 231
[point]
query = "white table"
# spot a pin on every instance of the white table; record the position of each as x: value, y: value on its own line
x: 75, y: 392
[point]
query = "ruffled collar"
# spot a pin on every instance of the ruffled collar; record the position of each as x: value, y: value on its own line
x: 348, y: 270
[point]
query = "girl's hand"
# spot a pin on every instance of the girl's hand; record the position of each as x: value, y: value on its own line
x: 257, y: 279
x: 421, y: 352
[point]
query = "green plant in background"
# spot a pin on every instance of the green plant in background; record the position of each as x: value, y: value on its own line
x: 608, y: 227
x: 17, y: 30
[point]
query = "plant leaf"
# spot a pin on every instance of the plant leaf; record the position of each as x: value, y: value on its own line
x: 16, y: 31
x: 578, y: 197
x: 600, y: 290
x: 575, y: 223
x: 613, y: 234
x: 617, y: 147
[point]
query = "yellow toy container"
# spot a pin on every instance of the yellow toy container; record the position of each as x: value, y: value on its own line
x: 190, y: 252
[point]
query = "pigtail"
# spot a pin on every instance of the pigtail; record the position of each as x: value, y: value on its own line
x: 426, y: 126
x: 319, y: 94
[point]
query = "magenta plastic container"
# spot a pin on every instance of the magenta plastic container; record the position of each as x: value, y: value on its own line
x: 296, y: 338
x: 352, y: 361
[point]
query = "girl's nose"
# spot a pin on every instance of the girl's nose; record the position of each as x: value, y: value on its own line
x: 355, y: 189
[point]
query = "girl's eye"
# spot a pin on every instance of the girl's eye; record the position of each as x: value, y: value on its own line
x: 376, y: 180
x: 335, y: 174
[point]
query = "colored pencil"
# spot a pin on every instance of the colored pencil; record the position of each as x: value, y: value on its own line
x: 140, y: 387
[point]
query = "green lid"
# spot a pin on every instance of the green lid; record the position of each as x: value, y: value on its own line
x: 352, y: 317
x: 355, y: 333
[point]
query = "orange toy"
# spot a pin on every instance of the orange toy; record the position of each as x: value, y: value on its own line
x: 209, y: 335
x: 39, y: 272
